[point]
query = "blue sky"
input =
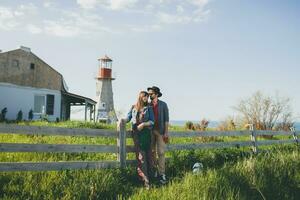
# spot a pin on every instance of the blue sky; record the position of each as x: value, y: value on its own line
x: 205, y: 55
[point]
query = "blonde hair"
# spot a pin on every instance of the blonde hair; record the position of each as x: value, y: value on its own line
x: 140, y: 103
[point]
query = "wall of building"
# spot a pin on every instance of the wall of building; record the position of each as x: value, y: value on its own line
x: 17, y: 98
x: 23, y: 68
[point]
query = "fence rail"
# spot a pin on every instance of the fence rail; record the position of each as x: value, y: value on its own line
x: 121, y: 148
x: 67, y: 148
x: 51, y: 166
x: 51, y: 131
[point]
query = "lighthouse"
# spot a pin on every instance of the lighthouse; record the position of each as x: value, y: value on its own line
x: 104, y: 92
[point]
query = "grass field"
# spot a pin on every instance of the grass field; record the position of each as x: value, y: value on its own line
x: 228, y: 173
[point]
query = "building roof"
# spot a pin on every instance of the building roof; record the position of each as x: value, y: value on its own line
x: 105, y: 58
x: 75, y: 98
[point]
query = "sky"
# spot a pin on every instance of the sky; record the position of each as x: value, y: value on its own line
x: 205, y: 55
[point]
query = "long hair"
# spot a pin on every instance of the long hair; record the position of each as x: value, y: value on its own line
x: 140, y: 103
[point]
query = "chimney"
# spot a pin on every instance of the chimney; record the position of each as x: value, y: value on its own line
x: 27, y: 49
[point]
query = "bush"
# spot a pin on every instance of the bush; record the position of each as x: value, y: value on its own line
x: 30, y: 115
x: 227, y: 125
x: 204, y: 124
x: 20, y: 116
x: 3, y: 114
x: 189, y: 125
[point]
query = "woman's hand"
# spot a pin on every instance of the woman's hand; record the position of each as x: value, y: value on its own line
x: 166, y: 138
x: 141, y: 126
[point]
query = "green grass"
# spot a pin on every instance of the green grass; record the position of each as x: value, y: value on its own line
x: 233, y: 173
x: 227, y: 174
x: 70, y: 124
x: 272, y: 175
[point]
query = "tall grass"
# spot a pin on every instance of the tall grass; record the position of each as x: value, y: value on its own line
x: 70, y: 124
x: 227, y: 174
x: 274, y: 175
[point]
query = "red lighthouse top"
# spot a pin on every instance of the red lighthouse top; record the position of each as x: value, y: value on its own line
x: 105, y: 68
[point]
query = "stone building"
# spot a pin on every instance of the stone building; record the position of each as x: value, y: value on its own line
x: 28, y: 83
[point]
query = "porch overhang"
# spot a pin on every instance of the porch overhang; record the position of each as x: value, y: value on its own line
x: 71, y: 99
x: 77, y: 100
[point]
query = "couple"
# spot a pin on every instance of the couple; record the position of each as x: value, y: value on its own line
x: 150, y: 123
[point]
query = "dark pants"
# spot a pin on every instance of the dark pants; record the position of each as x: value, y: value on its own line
x: 142, y: 144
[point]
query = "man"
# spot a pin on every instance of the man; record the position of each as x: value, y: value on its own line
x: 160, y: 131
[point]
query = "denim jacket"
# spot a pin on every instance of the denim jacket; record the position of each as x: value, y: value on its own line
x: 133, y: 114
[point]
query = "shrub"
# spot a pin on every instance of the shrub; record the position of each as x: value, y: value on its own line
x: 204, y: 124
x: 30, y: 115
x: 3, y: 114
x: 44, y: 117
x: 20, y: 116
x: 227, y: 125
x: 189, y: 125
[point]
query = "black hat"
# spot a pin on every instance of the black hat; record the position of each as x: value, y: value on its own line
x: 156, y: 90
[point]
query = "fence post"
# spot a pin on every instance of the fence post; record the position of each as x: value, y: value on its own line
x: 121, y: 142
x: 253, y: 138
x: 294, y: 135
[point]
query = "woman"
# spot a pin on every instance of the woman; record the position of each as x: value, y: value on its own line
x: 142, y: 119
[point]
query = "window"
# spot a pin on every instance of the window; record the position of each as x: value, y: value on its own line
x: 39, y: 104
x: 15, y: 63
x: 50, y: 104
x: 32, y: 66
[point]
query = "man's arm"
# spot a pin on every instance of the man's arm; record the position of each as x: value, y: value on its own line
x: 166, y: 131
x: 166, y: 113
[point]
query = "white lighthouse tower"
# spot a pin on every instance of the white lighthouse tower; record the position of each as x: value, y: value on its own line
x: 104, y: 92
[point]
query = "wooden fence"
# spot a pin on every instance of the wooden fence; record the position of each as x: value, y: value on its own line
x: 121, y: 149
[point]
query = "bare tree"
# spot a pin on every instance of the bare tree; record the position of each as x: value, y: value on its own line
x: 265, y: 112
x: 227, y: 124
x: 204, y: 124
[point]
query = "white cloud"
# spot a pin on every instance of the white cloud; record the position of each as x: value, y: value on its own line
x: 199, y: 3
x: 179, y: 9
x: 189, y: 11
x: 49, y: 3
x: 201, y: 15
x: 34, y: 29
x: 28, y: 8
x: 92, y: 18
x: 61, y: 23
x: 173, y: 19
x: 108, y: 4
x: 88, y: 4
x: 7, y: 19
x: 11, y: 19
x: 121, y: 4
x: 61, y: 29
x: 75, y: 24
x: 146, y: 28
